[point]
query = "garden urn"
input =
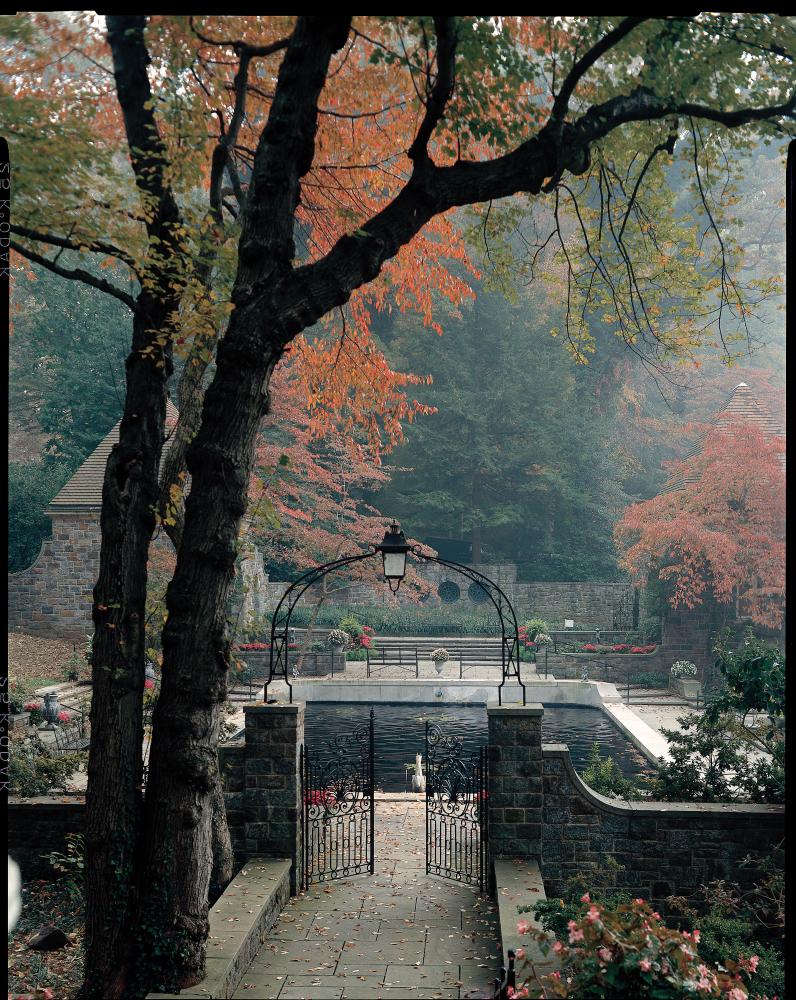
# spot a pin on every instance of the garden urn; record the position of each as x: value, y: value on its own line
x: 51, y: 709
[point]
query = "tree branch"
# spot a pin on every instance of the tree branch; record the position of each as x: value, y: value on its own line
x: 286, y: 148
x: 581, y: 67
x: 94, y: 246
x: 76, y: 274
x: 440, y: 92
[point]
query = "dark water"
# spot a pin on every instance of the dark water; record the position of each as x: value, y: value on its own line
x: 400, y: 733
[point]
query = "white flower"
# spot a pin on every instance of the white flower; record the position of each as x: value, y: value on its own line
x: 440, y: 655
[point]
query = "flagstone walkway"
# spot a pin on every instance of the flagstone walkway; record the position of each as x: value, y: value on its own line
x: 399, y: 933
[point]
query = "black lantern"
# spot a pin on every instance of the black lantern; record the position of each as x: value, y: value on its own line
x: 393, y: 550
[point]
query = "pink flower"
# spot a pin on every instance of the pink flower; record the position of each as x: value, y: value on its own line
x: 695, y: 936
x: 575, y: 933
x: 585, y: 898
x: 605, y: 954
x: 645, y: 965
x: 149, y: 683
x: 519, y: 954
x: 557, y: 947
x: 523, y: 927
x: 657, y: 916
x: 737, y: 994
x: 593, y: 916
x: 749, y: 964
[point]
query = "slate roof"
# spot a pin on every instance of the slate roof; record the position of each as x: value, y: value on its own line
x: 743, y: 405
x: 83, y: 492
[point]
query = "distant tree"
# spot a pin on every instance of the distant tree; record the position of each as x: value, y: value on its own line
x: 722, y: 531
x: 66, y: 375
x: 31, y: 486
x: 519, y: 457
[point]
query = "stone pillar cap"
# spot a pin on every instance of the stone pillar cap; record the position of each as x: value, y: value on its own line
x: 526, y: 711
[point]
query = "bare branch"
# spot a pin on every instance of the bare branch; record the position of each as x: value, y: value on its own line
x: 76, y: 274
x: 93, y: 246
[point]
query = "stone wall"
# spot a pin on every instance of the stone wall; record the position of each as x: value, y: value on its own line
x: 53, y: 596
x: 539, y: 807
x: 666, y: 848
x: 39, y: 825
x: 262, y: 785
x: 588, y: 604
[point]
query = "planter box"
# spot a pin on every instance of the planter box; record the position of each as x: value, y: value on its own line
x: 687, y: 687
x: 19, y: 720
x: 320, y: 664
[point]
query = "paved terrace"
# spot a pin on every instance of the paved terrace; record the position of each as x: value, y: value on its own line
x: 398, y: 933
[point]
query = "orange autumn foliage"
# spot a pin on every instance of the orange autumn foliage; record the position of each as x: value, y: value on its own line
x: 723, y: 531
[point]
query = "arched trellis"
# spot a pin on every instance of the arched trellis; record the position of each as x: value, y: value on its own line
x: 280, y: 624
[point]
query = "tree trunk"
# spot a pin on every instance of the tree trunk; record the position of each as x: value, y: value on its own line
x: 475, y: 535
x: 127, y: 521
x: 223, y: 868
x: 114, y: 792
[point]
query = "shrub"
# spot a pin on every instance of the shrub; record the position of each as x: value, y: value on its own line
x: 36, y: 710
x: 356, y: 655
x: 627, y: 951
x: 738, y: 922
x: 72, y: 864
x: 440, y: 655
x: 351, y: 625
x: 604, y: 775
x: 32, y: 771
x: 711, y: 762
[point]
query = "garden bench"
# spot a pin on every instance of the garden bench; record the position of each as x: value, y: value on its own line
x: 70, y: 738
x: 401, y: 656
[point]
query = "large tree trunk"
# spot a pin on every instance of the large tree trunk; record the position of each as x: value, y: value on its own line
x: 114, y: 793
x: 183, y: 763
x: 127, y: 521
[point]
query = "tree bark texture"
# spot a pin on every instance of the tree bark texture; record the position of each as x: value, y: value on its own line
x: 129, y: 499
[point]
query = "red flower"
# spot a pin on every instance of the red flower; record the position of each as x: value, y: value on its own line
x: 32, y: 706
x: 316, y: 797
x: 149, y: 683
x: 365, y: 641
x: 620, y: 647
x: 589, y: 648
x: 366, y: 628
x: 64, y: 716
x: 638, y: 649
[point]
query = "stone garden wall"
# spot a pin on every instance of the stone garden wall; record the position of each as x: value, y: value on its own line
x: 587, y: 603
x: 37, y: 826
x: 539, y: 807
x: 53, y: 596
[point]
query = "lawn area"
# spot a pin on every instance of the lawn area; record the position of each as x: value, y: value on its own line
x: 35, y: 662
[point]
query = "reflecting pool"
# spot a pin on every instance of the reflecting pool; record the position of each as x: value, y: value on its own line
x: 400, y: 733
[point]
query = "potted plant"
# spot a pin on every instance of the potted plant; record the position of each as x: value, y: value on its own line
x: 338, y: 638
x: 683, y: 678
x: 440, y: 657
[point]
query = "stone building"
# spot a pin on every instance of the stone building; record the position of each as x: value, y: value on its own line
x: 52, y: 598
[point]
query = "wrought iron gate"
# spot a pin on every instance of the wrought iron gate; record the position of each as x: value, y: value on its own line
x: 456, y: 809
x: 337, y: 791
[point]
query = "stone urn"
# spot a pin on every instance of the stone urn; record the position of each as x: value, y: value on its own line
x: 51, y: 709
